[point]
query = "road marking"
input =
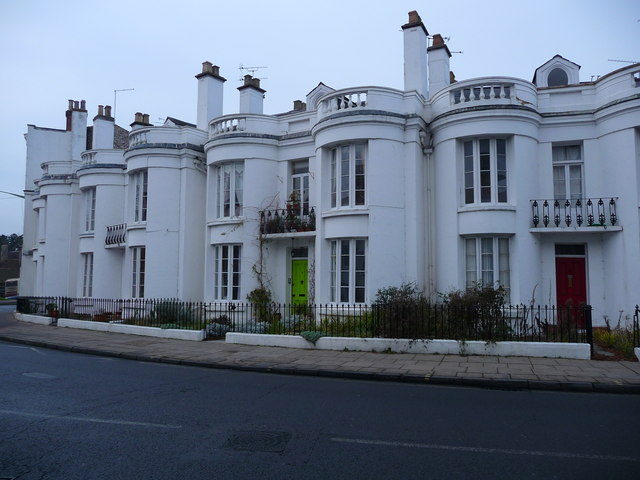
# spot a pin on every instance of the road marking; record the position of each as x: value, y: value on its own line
x: 44, y: 376
x: 90, y: 420
x: 485, y: 450
x: 29, y: 348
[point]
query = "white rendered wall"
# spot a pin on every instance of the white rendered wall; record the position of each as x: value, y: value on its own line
x: 61, y: 247
x: 192, y: 231
x: 29, y: 232
x: 162, y: 232
x: 415, y: 60
x: 107, y: 262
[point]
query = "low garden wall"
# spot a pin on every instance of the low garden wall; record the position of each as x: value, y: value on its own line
x: 175, y: 333
x: 580, y: 351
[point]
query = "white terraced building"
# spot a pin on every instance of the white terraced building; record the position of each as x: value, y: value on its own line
x: 530, y: 184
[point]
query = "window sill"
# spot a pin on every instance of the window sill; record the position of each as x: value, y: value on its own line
x: 336, y: 212
x: 87, y: 235
x: 227, y: 221
x: 507, y: 207
x: 136, y: 226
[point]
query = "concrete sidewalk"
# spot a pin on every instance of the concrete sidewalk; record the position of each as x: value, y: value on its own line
x: 478, y: 371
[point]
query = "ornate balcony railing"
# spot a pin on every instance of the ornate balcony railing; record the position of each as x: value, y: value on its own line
x: 482, y: 92
x: 287, y: 220
x: 579, y: 212
x: 116, y: 235
x: 344, y: 101
x: 89, y: 158
x: 226, y: 125
x: 138, y: 137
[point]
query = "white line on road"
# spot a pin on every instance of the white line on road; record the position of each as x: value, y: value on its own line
x: 90, y: 420
x: 25, y: 348
x: 485, y: 450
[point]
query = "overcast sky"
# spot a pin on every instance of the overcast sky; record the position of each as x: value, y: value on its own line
x: 51, y: 51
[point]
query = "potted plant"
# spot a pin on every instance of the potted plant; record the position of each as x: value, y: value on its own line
x: 52, y: 310
x: 293, y: 213
x: 312, y: 219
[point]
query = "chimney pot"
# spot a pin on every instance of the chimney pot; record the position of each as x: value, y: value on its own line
x: 138, y: 118
x: 83, y: 105
x: 101, y: 110
x: 216, y: 70
x: 145, y: 118
x: 107, y: 111
x: 414, y: 17
x: 299, y: 106
x: 76, y: 105
x: 438, y: 40
x: 70, y: 104
x: 207, y: 67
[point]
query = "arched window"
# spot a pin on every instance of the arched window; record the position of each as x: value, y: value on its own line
x: 557, y: 77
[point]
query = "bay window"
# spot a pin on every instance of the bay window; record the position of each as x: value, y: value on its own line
x: 348, y: 270
x: 226, y: 272
x: 89, y: 209
x: 348, y: 175
x: 138, y: 257
x: 87, y: 277
x: 229, y: 181
x: 485, y: 171
x: 487, y: 261
x: 140, y: 181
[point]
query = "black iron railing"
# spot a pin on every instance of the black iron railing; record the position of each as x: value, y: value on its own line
x: 580, y: 212
x: 116, y: 235
x: 636, y: 327
x: 420, y: 320
x: 287, y: 220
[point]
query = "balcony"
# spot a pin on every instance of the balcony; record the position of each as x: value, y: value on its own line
x: 116, y: 235
x: 581, y: 214
x: 166, y: 137
x: 362, y: 98
x: 287, y: 221
x: 484, y: 92
x: 253, y: 124
x: 101, y: 157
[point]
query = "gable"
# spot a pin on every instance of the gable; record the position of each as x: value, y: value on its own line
x: 316, y: 94
x: 557, y: 72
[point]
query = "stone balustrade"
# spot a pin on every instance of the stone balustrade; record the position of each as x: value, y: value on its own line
x: 483, y: 92
x: 343, y: 100
x: 364, y: 98
x: 159, y: 136
x: 226, y: 125
x: 96, y: 157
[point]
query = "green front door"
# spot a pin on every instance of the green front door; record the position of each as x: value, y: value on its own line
x: 299, y: 279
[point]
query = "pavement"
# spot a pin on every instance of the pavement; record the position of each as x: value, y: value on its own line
x: 515, y: 373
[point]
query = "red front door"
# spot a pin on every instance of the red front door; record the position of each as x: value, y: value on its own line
x: 571, y: 284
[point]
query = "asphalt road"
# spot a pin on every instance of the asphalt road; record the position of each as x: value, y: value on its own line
x: 72, y: 416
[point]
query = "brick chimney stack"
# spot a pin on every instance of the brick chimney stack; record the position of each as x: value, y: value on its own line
x: 439, y: 73
x: 415, y: 55
x: 77, y: 124
x: 210, y: 94
x: 251, y: 96
x: 103, y: 128
x: 140, y: 120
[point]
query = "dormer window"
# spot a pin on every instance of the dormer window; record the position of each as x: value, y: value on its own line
x: 557, y: 77
x: 557, y: 72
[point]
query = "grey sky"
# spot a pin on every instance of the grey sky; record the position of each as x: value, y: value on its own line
x: 51, y: 51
